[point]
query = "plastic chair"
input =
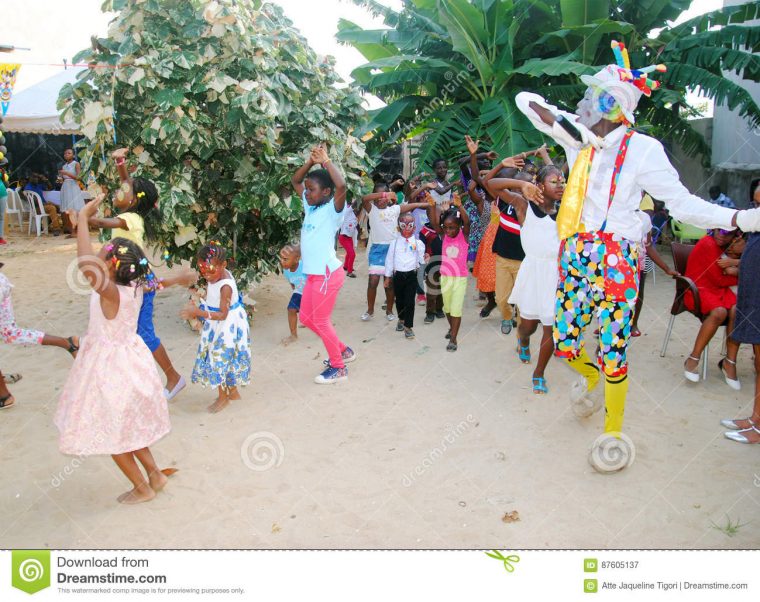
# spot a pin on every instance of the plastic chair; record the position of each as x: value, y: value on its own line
x: 681, y: 254
x: 683, y: 232
x: 38, y: 214
x: 14, y: 207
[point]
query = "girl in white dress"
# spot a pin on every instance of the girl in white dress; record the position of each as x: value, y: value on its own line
x: 224, y: 353
x: 535, y: 288
x: 71, y: 194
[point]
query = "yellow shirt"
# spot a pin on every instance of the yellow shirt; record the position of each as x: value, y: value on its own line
x: 647, y: 204
x: 136, y: 229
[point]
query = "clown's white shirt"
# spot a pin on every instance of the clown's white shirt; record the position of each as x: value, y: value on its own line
x: 646, y: 168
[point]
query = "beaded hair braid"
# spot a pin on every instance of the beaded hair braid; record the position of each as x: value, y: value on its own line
x: 130, y: 263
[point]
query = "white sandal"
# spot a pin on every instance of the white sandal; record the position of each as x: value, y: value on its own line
x: 739, y: 438
x: 691, y: 376
x: 731, y: 382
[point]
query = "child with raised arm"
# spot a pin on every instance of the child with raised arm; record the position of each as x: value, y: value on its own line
x: 113, y: 401
x: 323, y: 192
x: 139, y: 221
x: 292, y: 269
x: 383, y: 215
x: 535, y: 288
x: 405, y: 255
x: 454, y: 227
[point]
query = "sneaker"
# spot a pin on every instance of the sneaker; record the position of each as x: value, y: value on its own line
x: 385, y: 306
x: 348, y: 355
x: 408, y: 333
x: 506, y: 326
x: 331, y: 376
x: 390, y: 317
x: 440, y: 315
x: 351, y: 275
x: 366, y: 317
x: 399, y: 326
x: 429, y: 318
x: 421, y: 300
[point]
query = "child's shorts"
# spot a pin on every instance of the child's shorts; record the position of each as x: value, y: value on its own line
x: 145, y: 323
x: 376, y: 258
x: 453, y: 290
x: 295, y: 301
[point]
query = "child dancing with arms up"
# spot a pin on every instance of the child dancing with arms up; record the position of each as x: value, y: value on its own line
x: 224, y: 353
x: 113, y: 401
x: 535, y: 288
x: 138, y: 220
x: 323, y: 192
x: 454, y: 227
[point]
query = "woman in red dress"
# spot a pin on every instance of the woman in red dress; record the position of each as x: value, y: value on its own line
x: 717, y: 301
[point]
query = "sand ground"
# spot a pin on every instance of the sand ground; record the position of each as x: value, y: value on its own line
x: 420, y: 449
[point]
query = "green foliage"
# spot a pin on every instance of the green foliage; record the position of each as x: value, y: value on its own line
x: 450, y: 67
x: 220, y: 101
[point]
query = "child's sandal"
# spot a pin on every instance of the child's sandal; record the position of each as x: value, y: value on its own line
x: 72, y: 347
x: 539, y: 385
x: 12, y: 378
x: 523, y: 352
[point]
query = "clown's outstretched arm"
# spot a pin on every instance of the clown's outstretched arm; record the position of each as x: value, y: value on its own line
x: 542, y: 116
x: 660, y: 179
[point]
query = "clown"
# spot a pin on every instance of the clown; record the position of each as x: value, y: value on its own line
x: 610, y: 166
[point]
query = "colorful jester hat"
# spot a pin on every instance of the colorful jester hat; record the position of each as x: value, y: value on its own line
x: 618, y: 88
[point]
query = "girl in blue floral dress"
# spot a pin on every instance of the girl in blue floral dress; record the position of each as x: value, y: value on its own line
x: 224, y: 353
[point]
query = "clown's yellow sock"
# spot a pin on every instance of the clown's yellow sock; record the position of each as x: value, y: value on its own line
x: 584, y: 366
x: 615, y: 391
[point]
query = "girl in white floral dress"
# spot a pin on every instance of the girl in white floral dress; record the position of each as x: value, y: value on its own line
x: 224, y: 353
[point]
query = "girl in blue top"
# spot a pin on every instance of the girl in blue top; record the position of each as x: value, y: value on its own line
x: 323, y: 192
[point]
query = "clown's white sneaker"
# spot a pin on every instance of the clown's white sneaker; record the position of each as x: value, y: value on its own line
x: 583, y: 402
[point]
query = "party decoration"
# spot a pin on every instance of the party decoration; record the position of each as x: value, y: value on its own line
x: 8, y: 73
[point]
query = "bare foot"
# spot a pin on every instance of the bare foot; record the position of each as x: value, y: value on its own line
x: 159, y: 479
x: 234, y: 395
x: 137, y: 495
x: 288, y: 340
x: 219, y: 405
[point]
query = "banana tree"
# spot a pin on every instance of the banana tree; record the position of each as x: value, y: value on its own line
x: 449, y: 67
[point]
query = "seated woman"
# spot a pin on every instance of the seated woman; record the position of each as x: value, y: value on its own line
x: 717, y: 302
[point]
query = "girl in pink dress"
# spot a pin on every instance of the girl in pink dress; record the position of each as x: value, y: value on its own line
x: 454, y: 227
x: 113, y: 400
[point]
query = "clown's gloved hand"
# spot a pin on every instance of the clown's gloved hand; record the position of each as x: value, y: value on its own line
x: 588, y: 138
x: 748, y: 220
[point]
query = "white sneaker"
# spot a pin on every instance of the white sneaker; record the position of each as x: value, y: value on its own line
x: 390, y: 317
x: 366, y: 317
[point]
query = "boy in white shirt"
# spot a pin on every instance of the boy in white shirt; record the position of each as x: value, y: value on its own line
x: 405, y: 254
x: 383, y: 214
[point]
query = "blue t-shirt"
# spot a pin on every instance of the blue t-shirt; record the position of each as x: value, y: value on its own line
x: 38, y: 188
x: 320, y: 225
x: 297, y: 278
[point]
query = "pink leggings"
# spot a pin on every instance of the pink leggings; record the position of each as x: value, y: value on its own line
x: 348, y: 244
x: 317, y: 302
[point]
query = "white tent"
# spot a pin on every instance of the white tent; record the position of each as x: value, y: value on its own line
x: 33, y: 110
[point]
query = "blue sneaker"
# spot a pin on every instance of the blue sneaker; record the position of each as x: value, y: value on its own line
x: 348, y: 355
x: 331, y: 376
